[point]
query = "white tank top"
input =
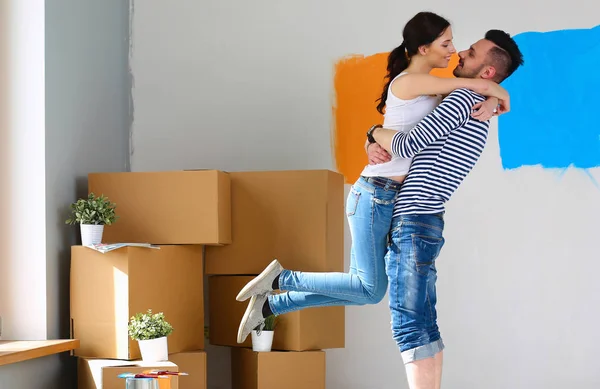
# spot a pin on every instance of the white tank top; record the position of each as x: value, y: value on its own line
x: 401, y: 115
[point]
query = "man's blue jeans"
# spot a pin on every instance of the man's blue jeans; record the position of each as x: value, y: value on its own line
x: 416, y: 241
x: 408, y: 263
x: 369, y: 208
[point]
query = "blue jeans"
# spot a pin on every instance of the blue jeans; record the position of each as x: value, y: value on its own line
x: 410, y: 265
x: 369, y: 208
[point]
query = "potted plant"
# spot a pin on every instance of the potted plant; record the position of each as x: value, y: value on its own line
x: 92, y: 214
x: 262, y: 340
x: 151, y: 331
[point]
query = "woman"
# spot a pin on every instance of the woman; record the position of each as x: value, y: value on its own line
x: 409, y: 95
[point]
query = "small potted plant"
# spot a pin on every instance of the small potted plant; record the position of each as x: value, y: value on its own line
x: 151, y: 331
x: 262, y: 340
x: 92, y: 214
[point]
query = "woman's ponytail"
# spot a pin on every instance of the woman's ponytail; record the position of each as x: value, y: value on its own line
x: 397, y: 63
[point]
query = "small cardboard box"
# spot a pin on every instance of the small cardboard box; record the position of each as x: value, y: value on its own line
x: 103, y: 373
x: 174, y: 207
x: 294, y: 216
x: 194, y: 364
x: 307, y: 329
x: 274, y: 370
x: 108, y: 289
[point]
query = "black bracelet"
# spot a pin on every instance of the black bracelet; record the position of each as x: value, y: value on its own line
x: 370, y: 133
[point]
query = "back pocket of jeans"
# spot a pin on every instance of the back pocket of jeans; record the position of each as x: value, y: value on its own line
x: 352, y: 201
x: 426, y: 250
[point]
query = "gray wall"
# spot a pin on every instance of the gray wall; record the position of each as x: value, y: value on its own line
x: 87, y: 122
x: 248, y: 85
x: 87, y: 129
x: 43, y: 373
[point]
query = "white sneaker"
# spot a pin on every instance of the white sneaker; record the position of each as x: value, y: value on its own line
x: 253, y: 317
x: 262, y: 283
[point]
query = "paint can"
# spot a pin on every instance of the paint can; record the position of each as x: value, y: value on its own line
x: 141, y: 383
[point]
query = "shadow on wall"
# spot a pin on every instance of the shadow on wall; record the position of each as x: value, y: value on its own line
x: 69, y: 236
x: 358, y: 83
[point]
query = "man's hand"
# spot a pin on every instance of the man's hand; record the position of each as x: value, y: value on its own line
x: 377, y: 154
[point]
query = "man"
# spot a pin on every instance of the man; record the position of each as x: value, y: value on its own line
x: 445, y: 145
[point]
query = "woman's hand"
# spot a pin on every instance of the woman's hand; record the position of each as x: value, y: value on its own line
x: 503, y: 100
x: 503, y: 106
x: 492, y: 106
x: 485, y: 110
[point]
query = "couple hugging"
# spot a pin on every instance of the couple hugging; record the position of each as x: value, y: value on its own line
x: 433, y: 133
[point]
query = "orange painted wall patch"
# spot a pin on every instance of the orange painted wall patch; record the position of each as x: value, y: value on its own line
x: 358, y: 83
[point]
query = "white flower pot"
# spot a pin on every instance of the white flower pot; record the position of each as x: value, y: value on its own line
x: 154, y: 350
x: 91, y: 234
x: 262, y: 342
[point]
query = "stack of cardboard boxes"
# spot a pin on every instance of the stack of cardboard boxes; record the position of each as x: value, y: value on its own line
x: 180, y: 212
x: 243, y: 220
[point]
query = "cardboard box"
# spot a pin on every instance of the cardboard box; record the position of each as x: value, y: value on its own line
x: 274, y: 370
x: 294, y: 216
x: 108, y: 289
x: 175, y: 207
x: 307, y: 329
x: 103, y: 373
x: 193, y: 363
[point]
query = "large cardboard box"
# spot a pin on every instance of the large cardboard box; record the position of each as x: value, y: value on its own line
x: 103, y: 373
x: 174, y: 207
x: 108, y: 289
x: 307, y: 329
x: 294, y: 216
x: 274, y: 370
x: 194, y: 364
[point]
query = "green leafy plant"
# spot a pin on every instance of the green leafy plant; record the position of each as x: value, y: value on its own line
x: 146, y: 326
x: 270, y: 323
x: 92, y: 210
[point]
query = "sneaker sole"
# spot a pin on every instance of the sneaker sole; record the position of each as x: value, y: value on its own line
x: 251, y: 304
x: 246, y: 291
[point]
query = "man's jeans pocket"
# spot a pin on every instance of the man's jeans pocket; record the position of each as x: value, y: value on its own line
x: 426, y: 249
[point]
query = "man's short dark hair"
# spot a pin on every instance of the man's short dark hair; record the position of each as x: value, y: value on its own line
x: 506, y: 56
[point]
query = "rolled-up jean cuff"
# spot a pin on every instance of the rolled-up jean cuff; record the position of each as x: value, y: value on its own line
x: 422, y: 352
